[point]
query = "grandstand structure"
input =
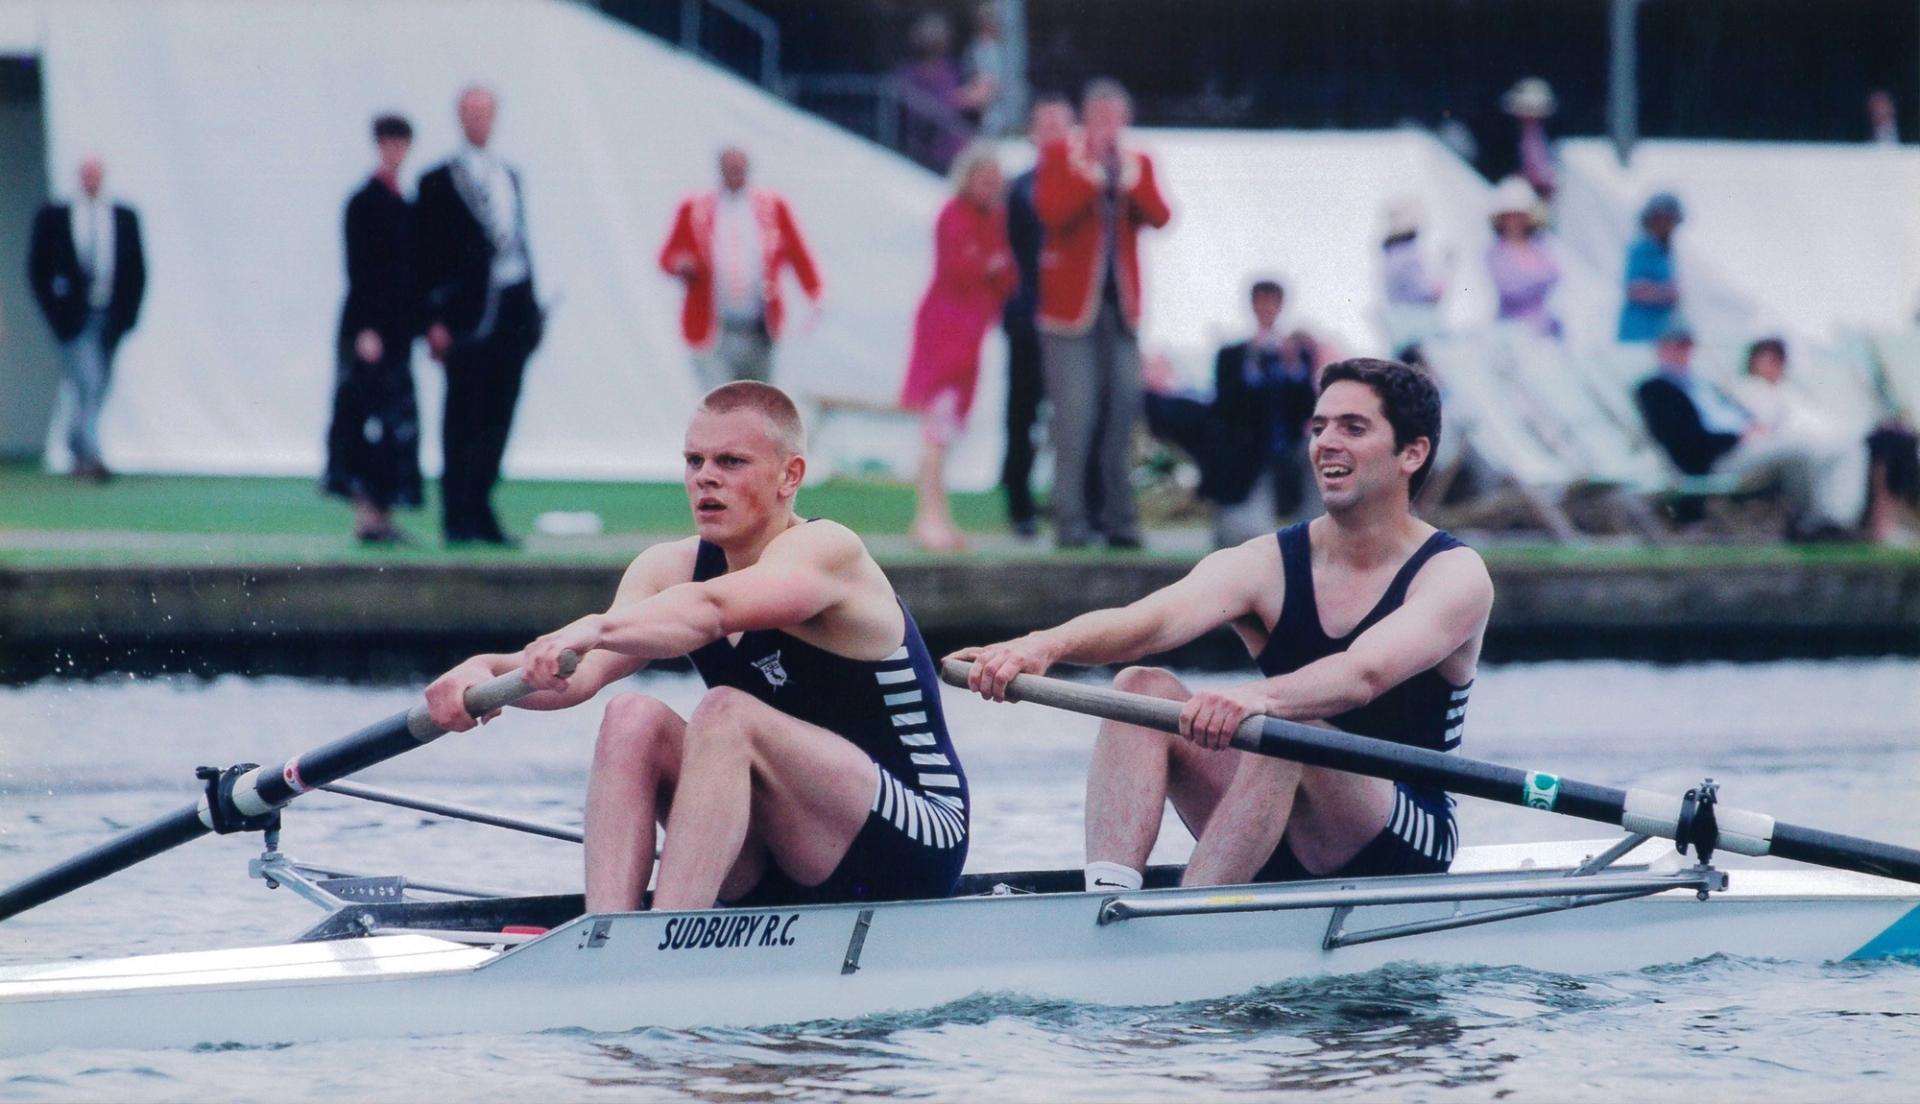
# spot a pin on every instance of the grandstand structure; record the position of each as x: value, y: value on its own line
x: 238, y: 129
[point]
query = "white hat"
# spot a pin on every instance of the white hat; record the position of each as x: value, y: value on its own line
x: 1404, y: 214
x: 1514, y: 196
x: 1530, y: 97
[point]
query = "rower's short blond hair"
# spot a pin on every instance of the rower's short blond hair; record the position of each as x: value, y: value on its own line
x: 769, y: 402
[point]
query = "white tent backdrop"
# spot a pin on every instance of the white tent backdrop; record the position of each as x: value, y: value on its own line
x: 239, y: 127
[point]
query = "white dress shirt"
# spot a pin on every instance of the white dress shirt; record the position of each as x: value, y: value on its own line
x: 737, y: 258
x: 93, y: 241
x: 501, y: 217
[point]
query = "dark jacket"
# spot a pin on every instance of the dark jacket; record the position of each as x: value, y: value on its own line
x: 456, y: 253
x: 1025, y: 236
x: 1674, y: 422
x: 53, y: 270
x: 383, y: 272
x: 1247, y: 418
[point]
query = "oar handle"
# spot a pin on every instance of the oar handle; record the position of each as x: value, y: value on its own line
x: 243, y: 802
x: 497, y: 692
x: 1099, y: 701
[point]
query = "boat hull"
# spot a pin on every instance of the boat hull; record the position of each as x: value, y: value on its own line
x: 616, y: 972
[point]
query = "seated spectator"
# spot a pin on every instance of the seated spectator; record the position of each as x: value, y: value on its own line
x: 1652, y: 298
x: 1787, y: 409
x: 1522, y: 266
x: 1883, y: 122
x: 1705, y: 431
x: 1413, y: 296
x: 1248, y: 441
x: 933, y: 130
x: 1531, y: 103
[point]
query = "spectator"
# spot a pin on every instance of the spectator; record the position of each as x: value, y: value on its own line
x: 1413, y: 295
x: 729, y: 246
x: 973, y: 273
x: 1787, y: 410
x: 1093, y: 195
x: 1051, y: 121
x: 89, y: 274
x: 483, y: 322
x: 1884, y: 124
x: 1531, y: 103
x: 373, y: 443
x: 933, y: 130
x: 989, y: 95
x: 1522, y: 267
x: 1652, y: 292
x: 1706, y: 431
x: 1263, y: 395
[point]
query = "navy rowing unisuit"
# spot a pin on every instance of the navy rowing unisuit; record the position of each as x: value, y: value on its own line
x: 1425, y: 711
x: 914, y: 842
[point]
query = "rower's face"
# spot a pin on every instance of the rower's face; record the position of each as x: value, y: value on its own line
x: 737, y: 475
x: 1350, y: 443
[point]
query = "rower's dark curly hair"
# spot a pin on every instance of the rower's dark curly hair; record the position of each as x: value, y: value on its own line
x: 1409, y: 397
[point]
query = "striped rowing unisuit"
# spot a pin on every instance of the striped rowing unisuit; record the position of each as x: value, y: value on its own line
x: 888, y: 708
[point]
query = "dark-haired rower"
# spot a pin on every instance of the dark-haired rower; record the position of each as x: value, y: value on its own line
x: 1366, y: 619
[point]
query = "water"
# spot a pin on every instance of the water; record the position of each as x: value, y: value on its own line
x: 1835, y: 745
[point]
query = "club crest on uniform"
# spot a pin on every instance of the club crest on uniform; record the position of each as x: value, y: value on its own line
x: 770, y: 667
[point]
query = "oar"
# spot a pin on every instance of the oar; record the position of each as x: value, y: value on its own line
x: 1694, y: 819
x: 248, y: 797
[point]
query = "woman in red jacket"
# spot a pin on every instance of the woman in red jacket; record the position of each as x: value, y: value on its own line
x: 973, y: 273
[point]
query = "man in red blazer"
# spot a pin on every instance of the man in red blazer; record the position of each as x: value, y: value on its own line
x: 729, y: 246
x: 1093, y: 194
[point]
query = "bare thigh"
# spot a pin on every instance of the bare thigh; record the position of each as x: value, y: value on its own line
x: 1335, y: 814
x: 1197, y: 778
x: 812, y: 789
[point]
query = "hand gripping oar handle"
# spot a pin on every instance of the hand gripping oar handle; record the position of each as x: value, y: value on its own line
x: 1694, y: 819
x: 244, y: 800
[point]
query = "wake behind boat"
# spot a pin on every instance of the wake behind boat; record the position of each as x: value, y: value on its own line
x: 384, y: 964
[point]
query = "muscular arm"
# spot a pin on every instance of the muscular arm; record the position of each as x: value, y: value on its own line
x: 804, y: 572
x: 1219, y: 590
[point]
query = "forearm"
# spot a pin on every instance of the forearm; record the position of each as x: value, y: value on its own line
x: 1106, y: 636
x: 673, y: 622
x: 1322, y: 689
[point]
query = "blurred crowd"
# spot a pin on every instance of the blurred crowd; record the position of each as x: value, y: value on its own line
x: 1052, y: 256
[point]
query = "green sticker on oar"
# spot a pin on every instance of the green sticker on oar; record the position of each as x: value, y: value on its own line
x: 1542, y: 790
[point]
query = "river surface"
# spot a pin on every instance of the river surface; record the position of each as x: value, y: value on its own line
x: 1836, y: 745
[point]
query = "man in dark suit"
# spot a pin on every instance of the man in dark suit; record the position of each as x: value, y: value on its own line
x: 483, y: 320
x: 89, y: 274
x: 1051, y: 121
x: 1263, y: 395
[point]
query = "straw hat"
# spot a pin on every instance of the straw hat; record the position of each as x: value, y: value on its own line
x: 1514, y: 196
x: 1530, y: 98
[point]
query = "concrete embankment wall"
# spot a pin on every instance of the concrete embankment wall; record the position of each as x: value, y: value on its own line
x: 399, y: 621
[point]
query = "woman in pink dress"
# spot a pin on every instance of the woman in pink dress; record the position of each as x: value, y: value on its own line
x: 973, y: 273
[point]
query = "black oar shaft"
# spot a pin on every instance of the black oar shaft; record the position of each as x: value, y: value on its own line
x: 257, y: 792
x: 1640, y: 811
x: 115, y: 855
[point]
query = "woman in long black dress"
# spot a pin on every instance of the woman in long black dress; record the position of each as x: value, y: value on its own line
x: 373, y: 445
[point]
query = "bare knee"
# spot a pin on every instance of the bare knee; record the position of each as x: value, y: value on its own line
x: 1157, y: 682
x: 724, y: 716
x: 636, y: 730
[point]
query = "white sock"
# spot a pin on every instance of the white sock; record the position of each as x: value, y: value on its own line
x: 1106, y: 875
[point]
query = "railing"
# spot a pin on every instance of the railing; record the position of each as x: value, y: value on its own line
x: 889, y: 111
x: 694, y: 22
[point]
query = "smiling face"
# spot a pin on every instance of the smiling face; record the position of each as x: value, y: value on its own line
x: 1350, y: 443
x: 740, y: 480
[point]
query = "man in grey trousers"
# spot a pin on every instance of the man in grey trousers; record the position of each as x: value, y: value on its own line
x: 1093, y: 194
